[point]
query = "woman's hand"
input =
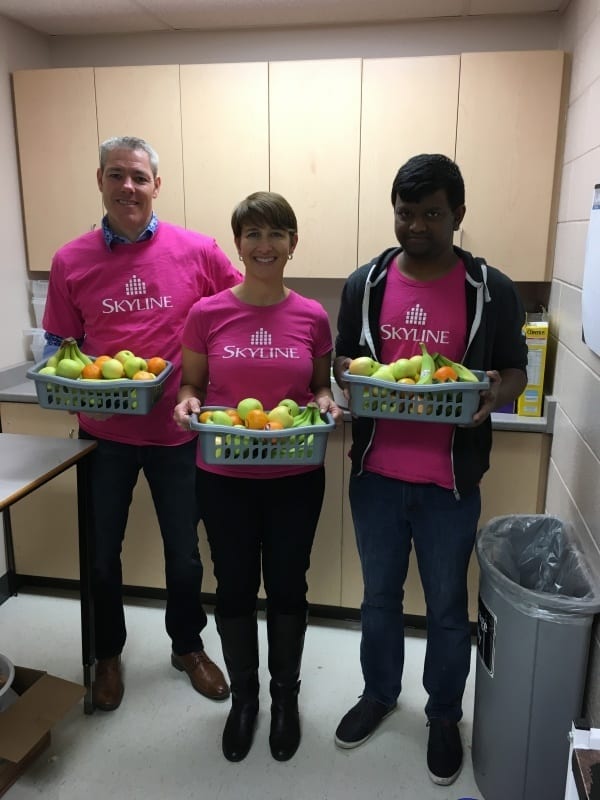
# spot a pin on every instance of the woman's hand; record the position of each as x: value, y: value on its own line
x: 326, y: 404
x: 183, y: 411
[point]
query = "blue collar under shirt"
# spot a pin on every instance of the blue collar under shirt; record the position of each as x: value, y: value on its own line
x: 111, y: 238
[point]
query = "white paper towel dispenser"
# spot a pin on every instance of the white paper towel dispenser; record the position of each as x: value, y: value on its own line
x: 590, y: 298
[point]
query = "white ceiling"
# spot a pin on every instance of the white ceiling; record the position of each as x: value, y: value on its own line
x: 77, y: 17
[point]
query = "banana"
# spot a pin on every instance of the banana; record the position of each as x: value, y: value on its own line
x: 427, y: 366
x: 464, y: 373
x: 56, y: 357
x: 304, y: 418
x: 81, y: 356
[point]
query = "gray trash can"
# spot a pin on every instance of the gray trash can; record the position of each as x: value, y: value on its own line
x: 537, y: 599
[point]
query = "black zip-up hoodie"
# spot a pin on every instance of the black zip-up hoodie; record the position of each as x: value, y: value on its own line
x: 495, y: 340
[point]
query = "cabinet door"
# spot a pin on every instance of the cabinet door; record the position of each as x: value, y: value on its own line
x: 314, y: 127
x: 144, y: 102
x: 409, y: 106
x: 55, y: 112
x: 44, y: 524
x: 225, y: 131
x: 325, y: 574
x: 509, y: 117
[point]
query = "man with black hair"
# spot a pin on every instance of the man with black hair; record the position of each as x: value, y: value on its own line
x: 414, y: 483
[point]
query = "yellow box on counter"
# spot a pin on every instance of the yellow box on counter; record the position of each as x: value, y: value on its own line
x: 531, y: 402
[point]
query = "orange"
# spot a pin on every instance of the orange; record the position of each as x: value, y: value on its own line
x: 92, y: 372
x: 256, y: 420
x: 101, y: 359
x: 156, y: 364
x: 143, y: 375
x: 205, y: 416
x: 235, y: 417
x: 273, y: 425
x: 444, y: 374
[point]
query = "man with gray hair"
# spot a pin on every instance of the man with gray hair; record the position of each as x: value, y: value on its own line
x: 129, y: 285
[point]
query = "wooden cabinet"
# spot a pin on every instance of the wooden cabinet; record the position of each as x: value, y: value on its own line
x: 55, y: 114
x: 225, y: 132
x: 409, y: 106
x: 509, y: 125
x: 144, y: 102
x: 45, y: 523
x: 514, y: 484
x: 327, y: 134
x: 314, y: 133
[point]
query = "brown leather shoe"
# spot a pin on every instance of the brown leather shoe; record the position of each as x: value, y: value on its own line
x: 107, y: 689
x: 204, y: 674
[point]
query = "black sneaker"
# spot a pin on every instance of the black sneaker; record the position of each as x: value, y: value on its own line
x: 360, y: 722
x: 444, y: 751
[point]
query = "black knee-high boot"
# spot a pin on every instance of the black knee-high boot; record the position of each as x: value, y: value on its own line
x: 239, y: 639
x: 285, y: 633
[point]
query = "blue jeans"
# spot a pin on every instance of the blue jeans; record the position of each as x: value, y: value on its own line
x: 171, y: 475
x: 389, y: 515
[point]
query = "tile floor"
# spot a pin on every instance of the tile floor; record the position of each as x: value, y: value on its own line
x: 164, y: 741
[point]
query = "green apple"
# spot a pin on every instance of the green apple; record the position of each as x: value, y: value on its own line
x: 47, y: 371
x: 123, y: 355
x: 221, y: 418
x: 384, y: 373
x: 292, y: 405
x: 111, y: 368
x: 281, y: 414
x: 69, y: 368
x: 133, y: 364
x: 248, y: 404
x: 417, y: 361
x: 363, y: 365
x: 404, y: 368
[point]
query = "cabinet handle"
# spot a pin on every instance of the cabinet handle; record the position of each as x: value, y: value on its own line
x: 72, y: 433
x: 93, y: 227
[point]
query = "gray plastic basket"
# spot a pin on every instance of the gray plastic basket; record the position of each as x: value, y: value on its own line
x: 222, y: 444
x: 120, y: 396
x: 453, y: 402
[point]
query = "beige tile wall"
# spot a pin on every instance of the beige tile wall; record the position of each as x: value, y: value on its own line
x: 574, y: 476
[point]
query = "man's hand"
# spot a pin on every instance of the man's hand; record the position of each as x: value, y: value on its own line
x: 488, y: 399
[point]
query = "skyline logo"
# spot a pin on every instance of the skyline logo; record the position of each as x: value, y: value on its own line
x: 136, y: 289
x: 261, y: 347
x: 414, y: 330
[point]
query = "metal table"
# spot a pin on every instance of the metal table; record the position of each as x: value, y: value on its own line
x: 26, y: 463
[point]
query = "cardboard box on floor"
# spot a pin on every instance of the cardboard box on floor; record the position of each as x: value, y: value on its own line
x: 25, y: 725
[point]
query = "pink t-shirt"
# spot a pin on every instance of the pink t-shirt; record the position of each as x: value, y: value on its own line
x: 135, y: 297
x: 433, y: 312
x: 265, y: 352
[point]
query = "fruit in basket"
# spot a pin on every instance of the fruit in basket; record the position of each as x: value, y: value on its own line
x: 91, y: 372
x: 219, y: 417
x: 255, y: 419
x: 404, y: 368
x: 464, y: 374
x: 444, y: 374
x: 112, y: 368
x: 384, y: 373
x: 134, y: 364
x: 156, y: 365
x: 248, y: 404
x: 293, y: 406
x: 69, y: 368
x: 47, y: 371
x: 282, y: 415
x: 205, y: 416
x: 143, y: 375
x: 123, y: 355
x: 235, y: 417
x: 363, y: 365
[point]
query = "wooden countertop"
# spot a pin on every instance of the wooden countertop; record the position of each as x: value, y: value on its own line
x: 27, y: 462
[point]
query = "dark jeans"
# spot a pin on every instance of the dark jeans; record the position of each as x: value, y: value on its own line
x: 388, y: 515
x: 171, y: 475
x: 268, y: 521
